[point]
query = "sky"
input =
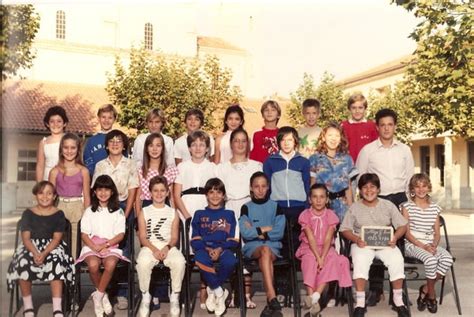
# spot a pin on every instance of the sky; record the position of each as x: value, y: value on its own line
x: 289, y: 38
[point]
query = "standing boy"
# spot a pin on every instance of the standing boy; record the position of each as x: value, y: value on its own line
x: 359, y: 131
x: 94, y: 151
x: 309, y: 133
x: 194, y: 120
x: 393, y: 162
x: 155, y: 121
x: 264, y: 140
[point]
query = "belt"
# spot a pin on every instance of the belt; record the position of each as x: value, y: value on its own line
x: 339, y: 194
x: 70, y: 199
x: 193, y: 191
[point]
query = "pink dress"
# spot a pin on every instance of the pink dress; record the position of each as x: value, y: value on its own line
x: 336, y: 266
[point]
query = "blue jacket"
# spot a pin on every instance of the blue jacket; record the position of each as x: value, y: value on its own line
x: 213, y: 228
x: 94, y: 151
x: 289, y: 180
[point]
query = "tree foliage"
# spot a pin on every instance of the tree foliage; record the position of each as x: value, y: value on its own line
x: 440, y: 79
x: 19, y: 25
x: 174, y: 85
x: 331, y: 97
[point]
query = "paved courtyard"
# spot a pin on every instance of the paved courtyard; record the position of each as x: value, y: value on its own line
x: 461, y: 233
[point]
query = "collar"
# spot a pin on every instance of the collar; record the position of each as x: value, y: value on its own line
x: 122, y: 160
x: 260, y: 201
x: 361, y: 121
x: 394, y: 142
x: 292, y: 155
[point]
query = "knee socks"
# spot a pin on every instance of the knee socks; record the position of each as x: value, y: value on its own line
x: 397, y: 297
x: 360, y: 299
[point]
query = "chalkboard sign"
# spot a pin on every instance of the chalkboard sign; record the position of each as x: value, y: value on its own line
x: 377, y: 237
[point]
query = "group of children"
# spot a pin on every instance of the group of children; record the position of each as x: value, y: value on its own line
x: 229, y: 187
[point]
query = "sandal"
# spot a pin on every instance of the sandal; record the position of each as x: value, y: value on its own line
x: 57, y: 312
x: 30, y: 310
x: 432, y: 305
x: 421, y: 300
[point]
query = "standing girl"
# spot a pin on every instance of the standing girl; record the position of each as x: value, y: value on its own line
x: 42, y: 256
x: 233, y: 119
x: 320, y: 263
x: 234, y: 173
x: 422, y: 239
x: 158, y: 230
x: 102, y: 229
x: 154, y: 164
x: 331, y: 166
x: 262, y: 227
x: 72, y: 182
x: 55, y: 120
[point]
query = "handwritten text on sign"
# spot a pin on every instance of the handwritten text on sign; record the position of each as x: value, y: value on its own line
x: 377, y: 237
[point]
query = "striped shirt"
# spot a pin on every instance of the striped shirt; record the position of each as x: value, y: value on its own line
x: 159, y: 222
x: 383, y: 214
x: 422, y: 220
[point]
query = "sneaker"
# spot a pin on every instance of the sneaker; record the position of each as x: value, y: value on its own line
x: 220, y: 303
x: 307, y: 302
x: 144, y: 309
x: 155, y: 303
x: 275, y: 308
x: 266, y: 312
x: 314, y: 310
x: 331, y: 303
x: 211, y: 300
x: 359, y: 311
x: 174, y: 305
x: 98, y: 308
x: 122, y: 302
x: 106, y: 304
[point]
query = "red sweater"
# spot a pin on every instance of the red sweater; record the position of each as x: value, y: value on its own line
x: 264, y: 144
x: 358, y: 135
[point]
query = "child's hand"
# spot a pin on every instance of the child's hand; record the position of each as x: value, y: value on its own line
x: 430, y: 248
x: 393, y: 243
x: 157, y: 255
x: 99, y: 247
x: 164, y: 252
x: 266, y: 228
x: 215, y: 254
x: 361, y: 243
x: 39, y: 258
x: 320, y: 263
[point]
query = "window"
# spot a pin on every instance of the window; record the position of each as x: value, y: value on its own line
x: 425, y: 159
x: 148, y: 36
x: 439, y: 155
x: 26, y: 170
x: 60, y: 24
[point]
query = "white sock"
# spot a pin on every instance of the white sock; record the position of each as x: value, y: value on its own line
x: 315, y: 297
x: 99, y: 295
x: 156, y: 300
x: 57, y: 304
x: 28, y: 304
x: 360, y: 299
x: 397, y: 297
x: 174, y: 296
x: 219, y: 291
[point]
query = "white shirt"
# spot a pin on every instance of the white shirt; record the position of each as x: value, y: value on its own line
x: 139, y: 145
x: 181, y: 149
x: 195, y: 174
x: 103, y: 223
x: 394, y: 165
x: 236, y: 177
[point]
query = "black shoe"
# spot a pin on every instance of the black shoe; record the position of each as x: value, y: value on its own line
x: 432, y: 305
x: 273, y: 309
x: 402, y: 311
x: 420, y: 301
x: 374, y: 297
x: 359, y: 311
x: 266, y: 312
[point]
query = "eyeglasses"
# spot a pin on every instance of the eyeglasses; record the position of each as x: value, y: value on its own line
x: 116, y: 140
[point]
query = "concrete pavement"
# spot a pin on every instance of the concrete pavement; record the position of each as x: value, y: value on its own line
x: 461, y: 233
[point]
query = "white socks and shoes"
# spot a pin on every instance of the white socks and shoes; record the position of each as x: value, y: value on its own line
x: 174, y: 304
x: 122, y: 302
x: 221, y: 296
x: 98, y: 306
x: 106, y: 304
x: 144, y: 309
x: 211, y: 300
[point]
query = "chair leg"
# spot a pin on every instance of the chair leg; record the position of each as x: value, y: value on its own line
x: 240, y: 277
x: 350, y: 300
x: 456, y: 293
x: 441, y: 295
x: 12, y: 297
x: 131, y: 293
x: 406, y: 299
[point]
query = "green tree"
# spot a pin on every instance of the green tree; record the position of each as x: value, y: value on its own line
x: 327, y: 92
x: 174, y: 85
x: 19, y: 25
x: 440, y: 79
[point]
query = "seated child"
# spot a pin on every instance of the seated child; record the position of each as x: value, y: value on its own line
x: 422, y: 239
x: 42, y: 256
x: 158, y: 230
x: 213, y: 237
x: 102, y: 229
x: 262, y: 226
x: 374, y: 211
x: 320, y: 262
